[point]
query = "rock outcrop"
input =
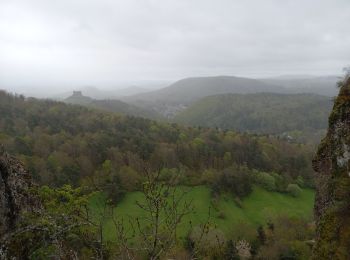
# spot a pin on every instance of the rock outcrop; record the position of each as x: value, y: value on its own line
x: 331, y: 163
x: 15, y: 198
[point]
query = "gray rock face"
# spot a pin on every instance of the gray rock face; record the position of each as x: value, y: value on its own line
x: 15, y: 198
x: 332, y: 165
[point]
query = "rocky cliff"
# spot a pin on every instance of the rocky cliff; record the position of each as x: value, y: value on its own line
x: 331, y: 163
x: 15, y: 198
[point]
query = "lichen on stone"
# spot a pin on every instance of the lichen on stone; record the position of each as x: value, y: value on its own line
x: 343, y: 159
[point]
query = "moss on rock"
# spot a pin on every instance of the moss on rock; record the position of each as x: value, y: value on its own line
x: 332, y: 202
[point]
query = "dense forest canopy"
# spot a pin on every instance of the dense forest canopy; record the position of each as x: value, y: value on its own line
x: 62, y: 143
x: 264, y: 113
x: 171, y: 100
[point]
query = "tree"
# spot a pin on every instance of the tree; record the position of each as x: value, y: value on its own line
x: 130, y: 180
x: 266, y: 180
x: 236, y: 180
x: 108, y: 180
x: 207, y: 242
x: 164, y: 206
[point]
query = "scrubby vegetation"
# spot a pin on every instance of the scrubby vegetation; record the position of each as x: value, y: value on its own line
x: 268, y: 225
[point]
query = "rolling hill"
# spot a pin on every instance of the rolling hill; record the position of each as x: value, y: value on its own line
x: 191, y: 89
x: 173, y: 99
x: 259, y: 113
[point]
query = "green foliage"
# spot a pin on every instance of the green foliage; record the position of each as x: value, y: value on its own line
x: 130, y: 180
x: 164, y: 207
x: 294, y: 190
x: 61, y: 226
x: 239, y: 222
x: 259, y: 113
x: 109, y: 181
x: 300, y: 181
x: 66, y: 144
x: 287, y: 240
x: 62, y: 144
x: 209, y: 176
x: 236, y: 180
x: 208, y: 242
x: 266, y: 181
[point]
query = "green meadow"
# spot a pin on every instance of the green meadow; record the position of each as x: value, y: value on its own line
x: 259, y: 207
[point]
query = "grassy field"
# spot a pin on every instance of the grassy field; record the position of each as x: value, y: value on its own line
x: 256, y: 209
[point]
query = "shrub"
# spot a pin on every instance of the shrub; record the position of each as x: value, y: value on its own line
x: 209, y: 177
x: 222, y: 215
x: 130, y: 180
x: 267, y: 181
x: 294, y: 190
x: 209, y: 243
x: 281, y: 182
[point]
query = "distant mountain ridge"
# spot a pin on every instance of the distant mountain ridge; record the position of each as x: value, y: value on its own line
x: 191, y: 89
x: 111, y: 105
x: 173, y: 99
x: 169, y: 101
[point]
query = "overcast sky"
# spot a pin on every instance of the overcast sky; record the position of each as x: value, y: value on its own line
x: 103, y: 42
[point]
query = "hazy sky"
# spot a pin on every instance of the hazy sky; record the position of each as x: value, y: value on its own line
x: 101, y: 42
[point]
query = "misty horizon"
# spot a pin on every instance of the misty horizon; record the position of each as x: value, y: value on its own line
x: 129, y: 88
x: 60, y: 46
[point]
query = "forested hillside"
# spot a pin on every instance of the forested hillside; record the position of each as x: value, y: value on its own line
x: 266, y: 113
x: 113, y: 155
x: 64, y: 143
x: 170, y: 100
